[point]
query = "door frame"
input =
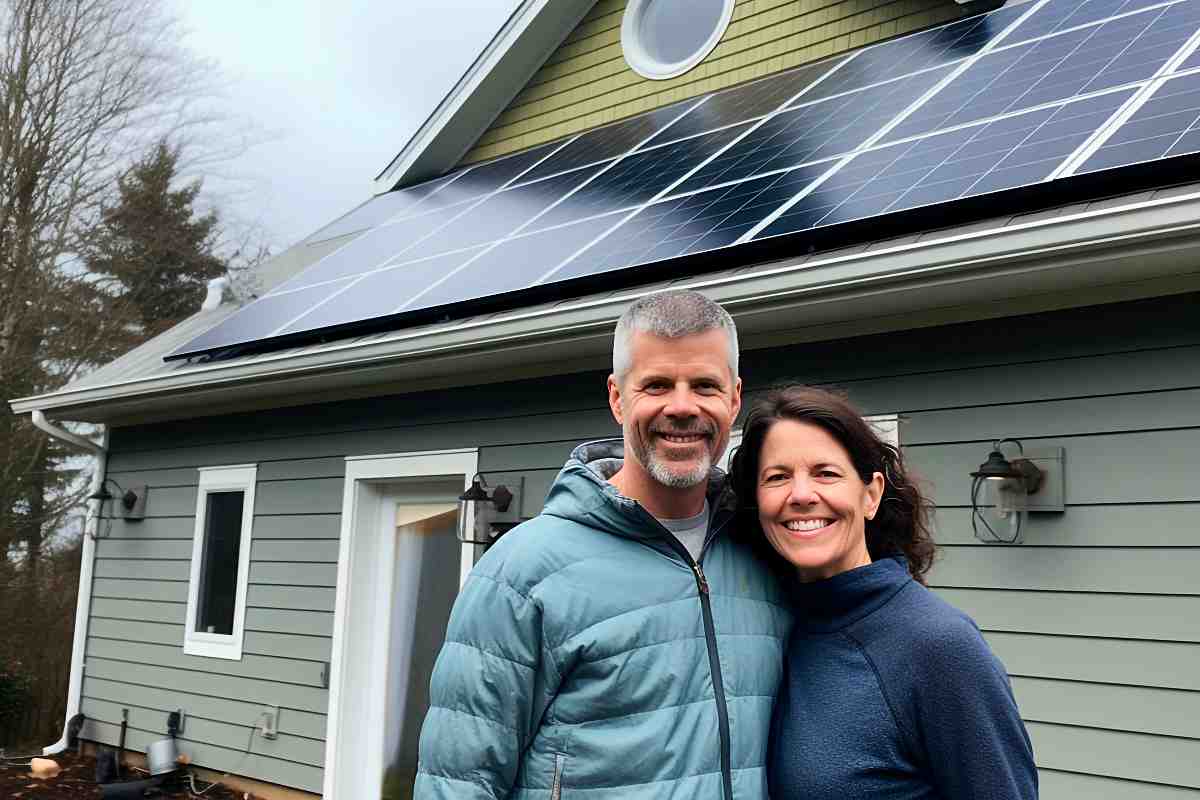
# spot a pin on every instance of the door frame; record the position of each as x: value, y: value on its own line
x: 358, y: 662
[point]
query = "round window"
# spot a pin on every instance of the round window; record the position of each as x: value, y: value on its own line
x: 665, y: 38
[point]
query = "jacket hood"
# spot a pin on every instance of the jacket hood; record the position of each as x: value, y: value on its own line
x: 581, y: 493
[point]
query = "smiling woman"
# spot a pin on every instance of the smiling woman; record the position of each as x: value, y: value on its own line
x: 812, y: 504
x: 826, y: 462
x: 884, y: 682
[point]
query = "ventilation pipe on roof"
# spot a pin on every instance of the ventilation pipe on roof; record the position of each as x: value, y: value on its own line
x: 83, y: 605
x: 216, y: 291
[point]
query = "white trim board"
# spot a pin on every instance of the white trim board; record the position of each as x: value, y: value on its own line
x: 531, y: 35
x: 358, y: 667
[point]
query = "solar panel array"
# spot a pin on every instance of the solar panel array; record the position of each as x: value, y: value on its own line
x: 1026, y: 94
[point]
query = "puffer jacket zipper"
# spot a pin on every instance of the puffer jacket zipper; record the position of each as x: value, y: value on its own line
x: 710, y: 639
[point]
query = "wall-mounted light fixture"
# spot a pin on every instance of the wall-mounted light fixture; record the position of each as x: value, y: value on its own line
x: 1014, y: 484
x: 130, y: 503
x: 483, y: 515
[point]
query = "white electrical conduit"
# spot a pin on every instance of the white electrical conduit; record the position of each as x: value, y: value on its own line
x: 83, y: 605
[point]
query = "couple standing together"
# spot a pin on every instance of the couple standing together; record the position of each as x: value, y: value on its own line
x: 659, y: 631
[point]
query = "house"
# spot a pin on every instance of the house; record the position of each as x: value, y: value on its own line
x: 982, y: 227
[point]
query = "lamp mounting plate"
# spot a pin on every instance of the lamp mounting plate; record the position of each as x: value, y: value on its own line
x: 137, y: 509
x: 1050, y: 494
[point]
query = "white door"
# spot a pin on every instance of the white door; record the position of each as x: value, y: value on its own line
x: 400, y: 566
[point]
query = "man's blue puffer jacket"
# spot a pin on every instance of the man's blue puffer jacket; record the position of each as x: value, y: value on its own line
x: 581, y: 654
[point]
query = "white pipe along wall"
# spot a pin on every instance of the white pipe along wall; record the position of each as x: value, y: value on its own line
x: 84, y: 603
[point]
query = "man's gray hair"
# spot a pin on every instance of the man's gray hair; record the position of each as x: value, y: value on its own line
x: 671, y: 314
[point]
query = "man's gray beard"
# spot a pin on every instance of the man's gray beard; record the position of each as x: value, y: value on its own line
x: 661, y: 472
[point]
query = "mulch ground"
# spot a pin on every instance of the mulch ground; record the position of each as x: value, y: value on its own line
x: 77, y: 781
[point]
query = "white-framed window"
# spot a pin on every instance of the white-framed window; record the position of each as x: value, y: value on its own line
x: 665, y: 38
x: 887, y: 426
x: 216, y: 611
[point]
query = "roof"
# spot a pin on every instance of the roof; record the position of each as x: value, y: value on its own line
x: 530, y: 35
x: 1133, y: 245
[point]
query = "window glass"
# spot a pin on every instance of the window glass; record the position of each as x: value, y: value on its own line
x: 217, y: 597
x: 673, y: 30
x: 665, y: 38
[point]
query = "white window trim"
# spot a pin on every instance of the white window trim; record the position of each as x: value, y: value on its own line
x: 241, y: 477
x: 641, y: 62
x: 887, y: 426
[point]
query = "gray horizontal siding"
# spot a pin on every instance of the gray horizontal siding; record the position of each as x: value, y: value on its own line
x: 286, y: 645
x: 214, y: 732
x: 1129, y: 525
x: 1132, y: 756
x: 271, y: 668
x: 1107, y: 616
x: 1064, y: 784
x: 1096, y: 615
x: 135, y: 657
x: 1141, y: 570
x: 1168, y: 665
x: 224, y: 686
x: 1119, y: 708
x: 291, y: 721
x: 231, y: 756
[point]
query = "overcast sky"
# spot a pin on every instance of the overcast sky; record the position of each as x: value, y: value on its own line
x: 332, y: 90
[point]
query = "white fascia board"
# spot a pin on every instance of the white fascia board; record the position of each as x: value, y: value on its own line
x: 1145, y: 241
x: 531, y: 34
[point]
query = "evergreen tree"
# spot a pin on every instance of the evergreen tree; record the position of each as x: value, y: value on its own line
x: 154, y: 253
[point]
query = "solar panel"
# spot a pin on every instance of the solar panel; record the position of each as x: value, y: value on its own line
x: 247, y: 324
x: 747, y: 102
x: 639, y: 177
x: 1084, y: 60
x: 697, y: 222
x: 1191, y: 62
x: 382, y: 208
x: 468, y: 183
x: 916, y: 52
x: 377, y: 294
x: 1019, y: 150
x: 515, y: 263
x: 990, y: 103
x: 814, y: 131
x: 1168, y: 124
x: 610, y: 141
x: 504, y: 212
x: 1059, y: 15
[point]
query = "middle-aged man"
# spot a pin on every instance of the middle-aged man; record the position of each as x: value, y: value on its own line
x: 620, y: 644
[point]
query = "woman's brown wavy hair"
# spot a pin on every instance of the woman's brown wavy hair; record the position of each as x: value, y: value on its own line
x: 901, y: 525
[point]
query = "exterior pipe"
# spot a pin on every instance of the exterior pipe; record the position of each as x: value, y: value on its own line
x: 83, y: 605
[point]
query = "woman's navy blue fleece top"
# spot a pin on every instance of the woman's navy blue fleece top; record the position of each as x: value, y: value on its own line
x: 890, y: 692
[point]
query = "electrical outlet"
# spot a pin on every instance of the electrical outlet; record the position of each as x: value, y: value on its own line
x: 175, y: 721
x: 269, y: 722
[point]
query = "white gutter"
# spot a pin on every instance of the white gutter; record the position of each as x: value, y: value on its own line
x: 83, y: 605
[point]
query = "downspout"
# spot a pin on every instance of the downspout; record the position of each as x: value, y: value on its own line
x: 83, y: 605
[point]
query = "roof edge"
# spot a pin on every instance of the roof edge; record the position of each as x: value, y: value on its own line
x: 1147, y: 243
x: 531, y: 35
